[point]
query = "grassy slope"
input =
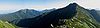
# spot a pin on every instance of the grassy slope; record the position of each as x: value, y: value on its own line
x: 5, y: 24
x: 81, y: 20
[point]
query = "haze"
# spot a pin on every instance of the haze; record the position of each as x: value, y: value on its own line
x: 10, y: 6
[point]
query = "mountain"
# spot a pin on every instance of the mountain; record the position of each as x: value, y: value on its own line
x: 98, y: 12
x: 95, y: 14
x: 48, y: 10
x: 48, y: 18
x: 21, y: 14
x: 71, y: 16
x: 33, y: 15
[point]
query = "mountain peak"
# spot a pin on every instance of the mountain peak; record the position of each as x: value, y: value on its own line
x: 73, y: 4
x: 26, y: 9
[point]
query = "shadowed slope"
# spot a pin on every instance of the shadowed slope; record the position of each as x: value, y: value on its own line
x: 44, y: 21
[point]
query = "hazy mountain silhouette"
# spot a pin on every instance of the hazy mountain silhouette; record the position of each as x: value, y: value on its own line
x: 95, y: 14
x: 21, y: 14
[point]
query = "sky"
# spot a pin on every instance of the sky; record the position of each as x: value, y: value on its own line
x: 10, y: 6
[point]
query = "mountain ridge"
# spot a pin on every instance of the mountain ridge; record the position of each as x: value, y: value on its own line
x: 71, y: 16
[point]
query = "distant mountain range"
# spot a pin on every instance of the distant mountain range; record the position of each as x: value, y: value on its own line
x: 95, y: 14
x: 71, y: 16
x: 21, y: 14
x: 49, y: 18
x: 24, y: 13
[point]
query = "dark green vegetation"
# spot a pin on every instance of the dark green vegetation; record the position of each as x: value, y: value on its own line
x: 71, y: 16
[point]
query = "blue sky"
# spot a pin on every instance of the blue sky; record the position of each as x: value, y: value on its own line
x: 10, y: 6
x: 38, y: 4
